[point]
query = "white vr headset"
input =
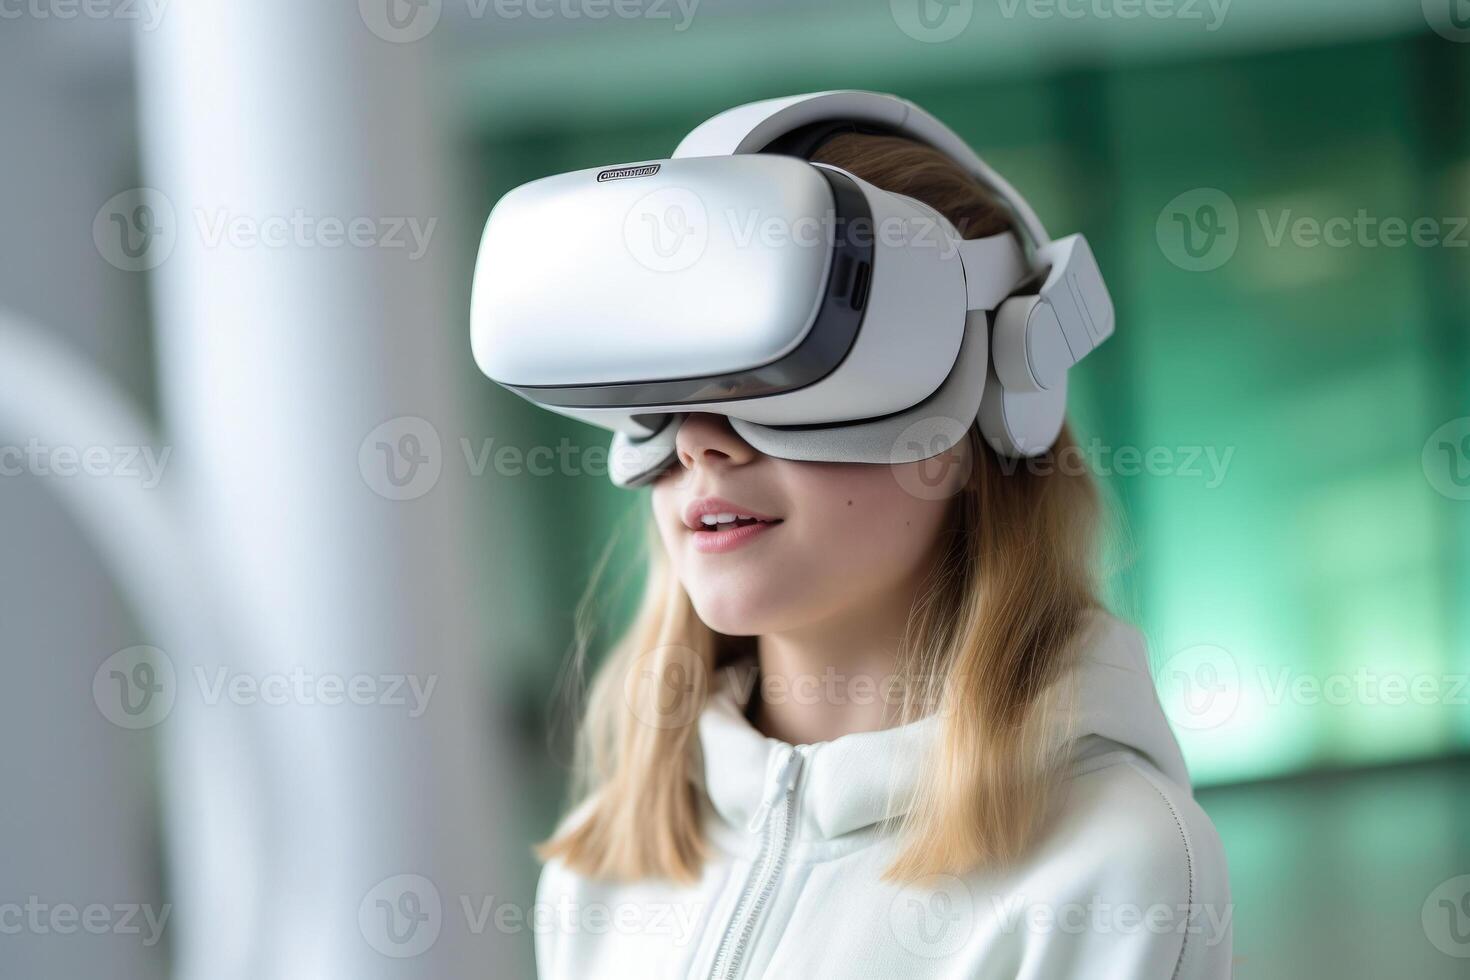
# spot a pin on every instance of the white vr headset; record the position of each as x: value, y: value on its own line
x: 829, y: 320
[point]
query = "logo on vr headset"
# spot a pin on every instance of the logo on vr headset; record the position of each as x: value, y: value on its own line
x: 619, y: 173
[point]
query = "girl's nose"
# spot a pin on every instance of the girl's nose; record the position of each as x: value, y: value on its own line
x: 709, y: 440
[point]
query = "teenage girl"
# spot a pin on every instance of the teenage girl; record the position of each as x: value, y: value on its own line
x: 872, y: 721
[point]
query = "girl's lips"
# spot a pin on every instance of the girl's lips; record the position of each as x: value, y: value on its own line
x: 694, y: 512
x: 718, y: 542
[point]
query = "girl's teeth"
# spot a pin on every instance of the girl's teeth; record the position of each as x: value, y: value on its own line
x: 716, y: 521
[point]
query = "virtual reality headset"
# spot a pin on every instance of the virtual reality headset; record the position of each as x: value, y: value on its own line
x: 828, y: 319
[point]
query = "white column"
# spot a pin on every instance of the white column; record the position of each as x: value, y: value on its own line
x: 278, y: 356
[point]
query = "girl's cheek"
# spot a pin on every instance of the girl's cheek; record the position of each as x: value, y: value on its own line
x: 856, y: 508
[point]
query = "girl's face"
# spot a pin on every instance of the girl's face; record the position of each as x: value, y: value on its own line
x: 834, y: 539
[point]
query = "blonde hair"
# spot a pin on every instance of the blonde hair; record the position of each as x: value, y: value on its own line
x: 988, y: 641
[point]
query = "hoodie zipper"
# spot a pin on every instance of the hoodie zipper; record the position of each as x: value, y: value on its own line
x: 775, y: 821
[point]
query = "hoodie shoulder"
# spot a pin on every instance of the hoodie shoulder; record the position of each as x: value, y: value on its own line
x: 1112, y: 695
x: 1110, y: 639
x: 1130, y: 881
x: 1132, y: 873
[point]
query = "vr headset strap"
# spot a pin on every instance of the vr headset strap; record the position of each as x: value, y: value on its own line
x: 994, y: 267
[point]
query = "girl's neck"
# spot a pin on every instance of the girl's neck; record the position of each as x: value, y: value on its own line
x: 833, y: 678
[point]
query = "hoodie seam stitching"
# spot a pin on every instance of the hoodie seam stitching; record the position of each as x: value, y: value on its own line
x: 1188, y: 859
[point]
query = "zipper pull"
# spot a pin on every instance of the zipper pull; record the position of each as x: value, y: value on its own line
x: 782, y: 784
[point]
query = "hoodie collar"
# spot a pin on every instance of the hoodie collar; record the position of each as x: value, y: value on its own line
x: 866, y: 778
x: 845, y: 785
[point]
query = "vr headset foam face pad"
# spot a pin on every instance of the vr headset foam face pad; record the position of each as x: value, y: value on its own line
x: 634, y: 462
x: 928, y: 429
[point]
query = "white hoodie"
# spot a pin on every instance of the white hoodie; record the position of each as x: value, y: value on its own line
x: 1129, y: 881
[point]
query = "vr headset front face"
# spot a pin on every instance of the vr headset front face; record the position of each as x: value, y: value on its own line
x: 762, y: 287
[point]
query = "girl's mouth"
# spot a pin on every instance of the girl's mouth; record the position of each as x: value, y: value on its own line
x: 726, y: 532
x: 718, y: 524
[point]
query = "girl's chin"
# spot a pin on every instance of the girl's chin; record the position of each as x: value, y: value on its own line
x: 735, y: 614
